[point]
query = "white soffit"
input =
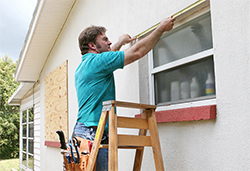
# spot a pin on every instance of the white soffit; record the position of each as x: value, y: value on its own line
x: 22, y: 89
x: 47, y: 23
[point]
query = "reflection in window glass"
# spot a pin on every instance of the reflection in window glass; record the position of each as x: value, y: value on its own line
x: 24, y: 144
x: 24, y: 118
x: 31, y: 114
x: 191, y: 38
x: 188, y: 81
x: 31, y: 130
x: 31, y: 162
x: 25, y: 130
x: 30, y: 147
x: 24, y: 160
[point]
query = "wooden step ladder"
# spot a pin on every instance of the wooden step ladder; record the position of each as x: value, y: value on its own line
x: 138, y: 142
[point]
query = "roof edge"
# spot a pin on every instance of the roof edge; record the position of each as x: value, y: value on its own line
x: 22, y: 89
x: 28, y: 38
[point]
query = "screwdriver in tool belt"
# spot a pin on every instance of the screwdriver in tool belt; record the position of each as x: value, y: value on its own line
x: 68, y: 157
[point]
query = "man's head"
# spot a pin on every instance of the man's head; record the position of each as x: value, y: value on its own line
x: 93, y: 39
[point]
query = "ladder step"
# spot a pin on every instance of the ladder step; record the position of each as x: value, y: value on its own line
x: 133, y: 140
x: 122, y: 147
x: 126, y: 122
x: 129, y: 105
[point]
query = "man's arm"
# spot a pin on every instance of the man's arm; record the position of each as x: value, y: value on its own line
x: 124, y: 39
x: 143, y: 46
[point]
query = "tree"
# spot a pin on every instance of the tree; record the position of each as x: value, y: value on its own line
x: 9, y: 115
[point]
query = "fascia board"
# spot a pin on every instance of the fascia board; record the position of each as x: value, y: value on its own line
x: 23, y: 88
x: 28, y: 38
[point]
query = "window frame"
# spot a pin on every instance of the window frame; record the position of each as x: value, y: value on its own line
x: 200, y: 101
x: 27, y: 123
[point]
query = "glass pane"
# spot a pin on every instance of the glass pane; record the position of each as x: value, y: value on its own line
x: 31, y: 162
x: 31, y: 130
x: 188, y: 81
x: 24, y: 160
x: 24, y: 144
x: 25, y: 130
x: 30, y: 148
x: 191, y: 38
x: 31, y: 114
x: 24, y: 116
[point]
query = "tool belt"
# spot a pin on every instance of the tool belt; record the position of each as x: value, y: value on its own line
x: 76, y: 156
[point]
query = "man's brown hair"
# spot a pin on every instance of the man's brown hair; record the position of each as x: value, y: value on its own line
x: 89, y: 35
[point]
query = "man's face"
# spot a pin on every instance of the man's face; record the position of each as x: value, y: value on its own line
x: 102, y: 43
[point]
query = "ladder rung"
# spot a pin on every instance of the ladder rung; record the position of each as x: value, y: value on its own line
x: 133, y: 140
x: 129, y: 104
x: 138, y: 123
x: 122, y: 147
x: 130, y: 147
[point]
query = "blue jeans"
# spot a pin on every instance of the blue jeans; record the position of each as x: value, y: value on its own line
x: 80, y: 130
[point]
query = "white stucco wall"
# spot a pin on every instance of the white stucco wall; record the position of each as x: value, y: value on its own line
x: 221, y: 144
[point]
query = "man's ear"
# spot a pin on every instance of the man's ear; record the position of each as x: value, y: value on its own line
x: 92, y: 46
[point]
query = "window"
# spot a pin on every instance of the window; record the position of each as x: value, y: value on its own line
x: 27, y: 139
x: 182, y: 65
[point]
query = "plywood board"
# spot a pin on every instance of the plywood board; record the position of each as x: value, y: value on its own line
x: 56, y: 102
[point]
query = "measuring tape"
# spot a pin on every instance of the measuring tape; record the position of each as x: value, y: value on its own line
x: 174, y: 16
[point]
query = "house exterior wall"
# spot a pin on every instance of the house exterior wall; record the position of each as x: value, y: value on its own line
x: 221, y: 144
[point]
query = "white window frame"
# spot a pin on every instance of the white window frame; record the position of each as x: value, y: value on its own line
x: 152, y: 71
x: 27, y: 138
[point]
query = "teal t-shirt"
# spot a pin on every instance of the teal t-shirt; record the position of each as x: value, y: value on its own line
x: 94, y: 83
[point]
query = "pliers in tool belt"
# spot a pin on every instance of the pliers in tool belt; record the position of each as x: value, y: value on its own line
x: 75, y: 143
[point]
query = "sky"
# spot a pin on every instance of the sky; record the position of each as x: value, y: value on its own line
x: 15, y: 18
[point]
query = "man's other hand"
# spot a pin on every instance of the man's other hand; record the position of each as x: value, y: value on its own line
x: 125, y: 39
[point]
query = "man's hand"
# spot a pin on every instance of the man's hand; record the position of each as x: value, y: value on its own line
x: 143, y: 46
x: 166, y: 24
x: 123, y: 39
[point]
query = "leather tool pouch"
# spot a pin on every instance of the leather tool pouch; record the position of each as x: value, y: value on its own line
x: 80, y: 152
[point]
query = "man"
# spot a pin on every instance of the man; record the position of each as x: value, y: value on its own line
x: 94, y: 80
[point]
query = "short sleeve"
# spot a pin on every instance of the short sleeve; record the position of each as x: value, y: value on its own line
x: 110, y: 61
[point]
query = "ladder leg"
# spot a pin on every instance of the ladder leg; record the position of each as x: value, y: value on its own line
x: 155, y: 141
x: 113, y: 156
x: 97, y: 141
x: 139, y: 152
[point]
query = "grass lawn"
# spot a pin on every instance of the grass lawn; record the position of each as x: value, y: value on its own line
x: 7, y: 164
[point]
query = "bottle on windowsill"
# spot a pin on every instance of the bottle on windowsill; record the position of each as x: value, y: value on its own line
x: 194, y: 88
x: 175, y: 91
x: 185, y: 89
x: 209, y: 85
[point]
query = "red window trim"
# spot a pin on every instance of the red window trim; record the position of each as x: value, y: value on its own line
x: 185, y: 114
x: 52, y: 144
x: 176, y: 115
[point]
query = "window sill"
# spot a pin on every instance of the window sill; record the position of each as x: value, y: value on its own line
x: 185, y: 114
x: 52, y: 144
